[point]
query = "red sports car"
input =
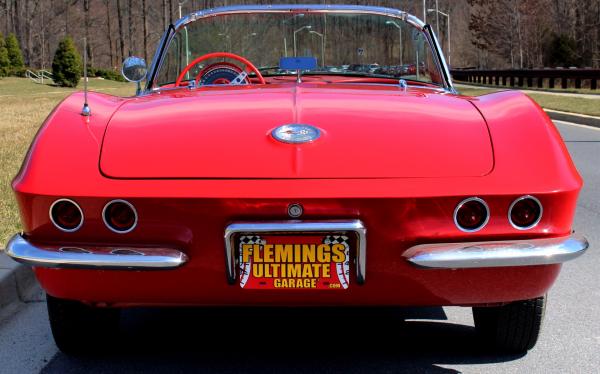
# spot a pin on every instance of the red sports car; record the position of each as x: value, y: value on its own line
x: 254, y: 168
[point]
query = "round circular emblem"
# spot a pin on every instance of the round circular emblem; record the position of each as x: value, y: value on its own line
x: 295, y: 210
x: 296, y: 133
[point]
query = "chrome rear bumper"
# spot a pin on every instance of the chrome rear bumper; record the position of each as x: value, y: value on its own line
x: 497, y: 253
x: 20, y: 249
x: 441, y: 256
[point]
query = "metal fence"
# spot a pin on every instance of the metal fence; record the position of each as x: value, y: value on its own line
x: 538, y: 78
x: 39, y: 76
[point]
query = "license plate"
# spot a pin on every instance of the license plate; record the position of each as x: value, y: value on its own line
x: 312, y: 261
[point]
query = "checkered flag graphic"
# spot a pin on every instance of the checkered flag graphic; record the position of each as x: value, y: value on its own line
x: 251, y: 239
x: 245, y: 267
x: 336, y: 239
x: 343, y: 268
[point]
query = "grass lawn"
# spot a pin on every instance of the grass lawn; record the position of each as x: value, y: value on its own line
x: 586, y: 91
x: 563, y: 103
x: 23, y: 107
x: 590, y: 107
x: 475, y: 91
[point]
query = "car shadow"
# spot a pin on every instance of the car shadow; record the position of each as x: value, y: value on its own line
x: 291, y: 340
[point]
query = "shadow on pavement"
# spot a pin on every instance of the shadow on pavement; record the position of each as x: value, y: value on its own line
x: 283, y: 340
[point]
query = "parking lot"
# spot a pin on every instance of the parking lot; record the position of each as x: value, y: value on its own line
x: 372, y: 340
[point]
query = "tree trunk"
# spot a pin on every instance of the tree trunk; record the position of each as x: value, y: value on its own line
x: 130, y: 21
x: 596, y: 62
x: 66, y: 17
x: 519, y: 37
x: 145, y: 20
x: 28, y: 39
x: 17, y: 18
x: 109, y: 34
x: 7, y: 15
x: 164, y: 9
x: 89, y: 49
x: 121, y: 36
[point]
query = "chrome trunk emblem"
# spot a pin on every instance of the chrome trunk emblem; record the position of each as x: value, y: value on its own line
x: 296, y: 133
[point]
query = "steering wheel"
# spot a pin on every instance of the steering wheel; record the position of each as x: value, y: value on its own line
x: 241, y: 77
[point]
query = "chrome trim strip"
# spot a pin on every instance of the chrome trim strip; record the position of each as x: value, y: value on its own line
x: 294, y: 227
x: 151, y: 73
x: 295, y: 8
x: 313, y: 8
x: 487, y: 209
x: 441, y: 60
x: 536, y: 221
x: 497, y: 253
x: 57, y: 225
x: 112, y: 228
x: 21, y: 250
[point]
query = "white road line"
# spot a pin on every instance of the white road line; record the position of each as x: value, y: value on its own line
x: 577, y: 125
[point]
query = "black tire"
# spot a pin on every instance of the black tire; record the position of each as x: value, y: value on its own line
x: 81, y: 329
x: 511, y: 328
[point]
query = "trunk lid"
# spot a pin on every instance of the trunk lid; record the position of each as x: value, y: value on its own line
x: 366, y: 132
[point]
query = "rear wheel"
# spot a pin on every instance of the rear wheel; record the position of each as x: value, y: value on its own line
x: 513, y: 327
x: 79, y: 328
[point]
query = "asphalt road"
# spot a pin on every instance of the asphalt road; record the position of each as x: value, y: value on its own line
x: 422, y: 340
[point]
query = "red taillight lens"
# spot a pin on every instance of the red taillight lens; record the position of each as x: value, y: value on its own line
x: 471, y: 214
x: 120, y: 216
x: 525, y: 212
x: 66, y: 215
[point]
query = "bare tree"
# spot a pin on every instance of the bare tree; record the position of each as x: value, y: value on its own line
x: 164, y: 12
x: 89, y: 47
x: 485, y: 33
x: 145, y: 23
x: 121, y: 36
x: 130, y: 25
x: 109, y: 33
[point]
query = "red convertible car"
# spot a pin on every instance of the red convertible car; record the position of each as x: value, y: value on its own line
x: 254, y: 168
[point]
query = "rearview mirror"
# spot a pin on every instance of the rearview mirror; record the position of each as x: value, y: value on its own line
x: 134, y: 69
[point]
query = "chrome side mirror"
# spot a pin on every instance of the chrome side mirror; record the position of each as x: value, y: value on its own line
x: 134, y: 69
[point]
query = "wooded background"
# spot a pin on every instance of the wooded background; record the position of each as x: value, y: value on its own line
x: 485, y: 34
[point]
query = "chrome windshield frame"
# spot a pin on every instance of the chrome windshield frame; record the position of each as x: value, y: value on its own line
x: 316, y: 9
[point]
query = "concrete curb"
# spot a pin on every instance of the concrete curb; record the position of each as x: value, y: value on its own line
x: 16, y: 283
x: 575, y: 118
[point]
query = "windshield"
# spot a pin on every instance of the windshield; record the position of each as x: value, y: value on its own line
x: 343, y: 45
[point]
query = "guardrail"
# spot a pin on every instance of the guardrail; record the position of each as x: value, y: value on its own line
x: 538, y: 78
x: 39, y: 76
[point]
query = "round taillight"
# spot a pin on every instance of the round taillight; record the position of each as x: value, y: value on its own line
x: 119, y: 216
x: 66, y: 215
x: 471, y: 214
x: 525, y: 212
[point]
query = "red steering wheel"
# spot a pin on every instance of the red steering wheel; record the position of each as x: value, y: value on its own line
x: 249, y: 66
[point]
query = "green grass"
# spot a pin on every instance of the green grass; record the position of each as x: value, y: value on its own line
x: 23, y: 107
x: 585, y: 91
x: 476, y: 91
x: 563, y: 103
x: 591, y: 107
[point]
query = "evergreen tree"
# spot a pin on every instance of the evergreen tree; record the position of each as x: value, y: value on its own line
x: 4, y: 60
x: 66, y: 65
x: 14, y: 52
x: 562, y: 51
